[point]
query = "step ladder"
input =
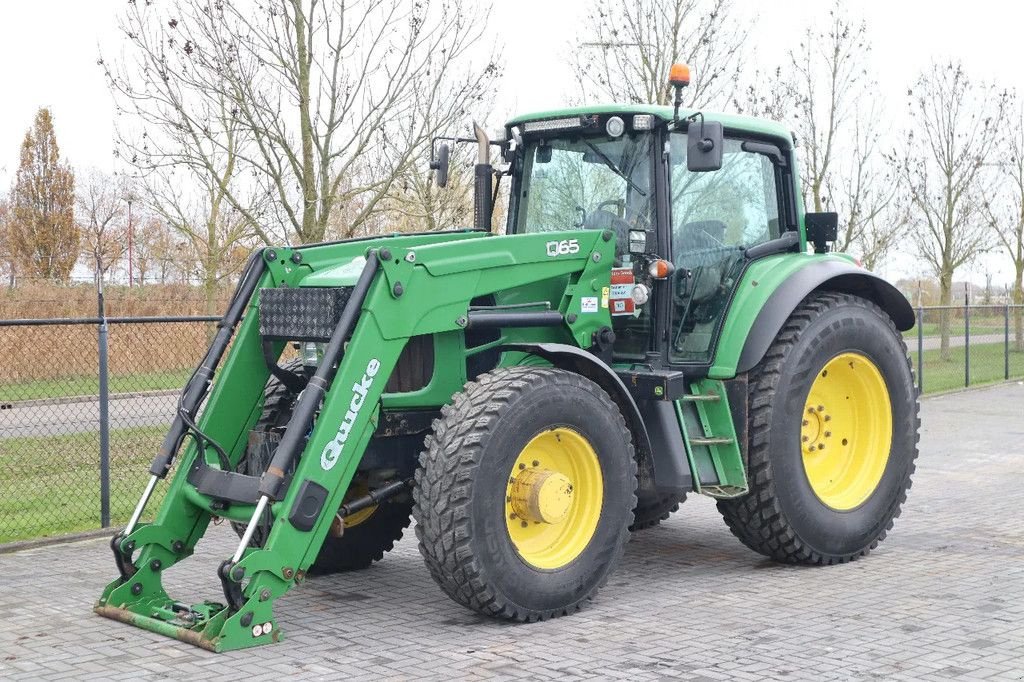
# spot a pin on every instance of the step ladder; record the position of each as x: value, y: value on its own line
x: 710, y: 438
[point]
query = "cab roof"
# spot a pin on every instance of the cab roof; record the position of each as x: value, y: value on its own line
x: 748, y: 124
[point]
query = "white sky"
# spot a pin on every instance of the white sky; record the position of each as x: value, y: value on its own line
x: 48, y: 49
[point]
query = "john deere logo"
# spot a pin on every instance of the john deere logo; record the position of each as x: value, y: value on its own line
x: 332, y: 451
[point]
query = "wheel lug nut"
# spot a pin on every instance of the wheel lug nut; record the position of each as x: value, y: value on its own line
x: 522, y: 466
x: 821, y: 408
x: 821, y: 446
x: 828, y: 434
x: 525, y: 524
x: 805, y: 439
x: 828, y: 418
x: 805, y: 423
x: 511, y: 516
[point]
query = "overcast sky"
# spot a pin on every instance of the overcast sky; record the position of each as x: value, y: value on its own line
x: 48, y: 50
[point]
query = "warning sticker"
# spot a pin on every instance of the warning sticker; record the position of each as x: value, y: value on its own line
x: 621, y: 291
x: 588, y: 304
x: 604, y: 297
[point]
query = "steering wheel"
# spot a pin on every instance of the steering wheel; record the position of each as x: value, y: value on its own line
x: 600, y: 219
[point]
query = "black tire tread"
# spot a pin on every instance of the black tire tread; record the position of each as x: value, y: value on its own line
x: 757, y: 518
x: 653, y: 513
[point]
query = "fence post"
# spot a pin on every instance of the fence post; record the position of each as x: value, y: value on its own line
x: 104, y: 407
x: 967, y: 342
x: 1006, y: 342
x: 920, y: 350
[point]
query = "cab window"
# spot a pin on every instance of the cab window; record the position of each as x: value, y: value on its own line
x: 587, y: 182
x: 593, y: 182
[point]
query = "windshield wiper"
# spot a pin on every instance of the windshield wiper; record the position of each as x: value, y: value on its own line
x: 615, y: 169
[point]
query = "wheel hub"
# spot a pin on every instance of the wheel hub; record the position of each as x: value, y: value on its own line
x: 542, y: 495
x: 815, y: 431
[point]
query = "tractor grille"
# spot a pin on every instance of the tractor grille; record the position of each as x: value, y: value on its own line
x: 306, y: 314
x: 311, y: 314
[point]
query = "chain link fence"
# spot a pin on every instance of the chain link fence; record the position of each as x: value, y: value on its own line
x: 959, y: 346
x: 57, y: 476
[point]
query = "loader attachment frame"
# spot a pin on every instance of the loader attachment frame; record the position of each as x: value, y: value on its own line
x: 401, y: 287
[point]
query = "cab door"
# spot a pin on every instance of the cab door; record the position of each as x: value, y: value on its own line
x: 713, y: 217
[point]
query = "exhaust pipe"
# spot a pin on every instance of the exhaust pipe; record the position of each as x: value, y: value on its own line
x: 482, y: 181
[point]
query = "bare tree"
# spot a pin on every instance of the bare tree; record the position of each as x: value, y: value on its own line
x: 827, y: 82
x: 864, y: 189
x: 626, y: 49
x: 769, y: 94
x: 330, y: 102
x: 955, y: 130
x: 825, y: 95
x: 211, y: 227
x: 1005, y: 213
x: 100, y: 202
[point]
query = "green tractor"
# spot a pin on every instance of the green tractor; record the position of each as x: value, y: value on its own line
x: 660, y: 317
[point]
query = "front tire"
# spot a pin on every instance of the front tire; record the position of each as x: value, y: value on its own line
x: 833, y: 435
x: 525, y: 493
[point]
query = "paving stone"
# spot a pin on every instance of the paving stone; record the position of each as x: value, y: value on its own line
x: 940, y: 599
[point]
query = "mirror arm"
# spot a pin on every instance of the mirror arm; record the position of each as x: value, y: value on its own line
x: 765, y: 149
x: 705, y: 144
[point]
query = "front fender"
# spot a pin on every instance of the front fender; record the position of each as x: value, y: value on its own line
x: 773, y: 287
x: 573, y: 359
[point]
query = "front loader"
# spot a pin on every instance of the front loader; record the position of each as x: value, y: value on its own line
x: 660, y: 318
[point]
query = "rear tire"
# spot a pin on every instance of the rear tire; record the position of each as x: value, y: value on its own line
x: 507, y: 427
x: 826, y: 489
x: 652, y: 513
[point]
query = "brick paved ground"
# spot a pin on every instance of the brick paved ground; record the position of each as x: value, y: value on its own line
x: 942, y: 598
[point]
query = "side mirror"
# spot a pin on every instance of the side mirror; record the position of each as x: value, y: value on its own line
x: 440, y: 164
x: 704, y: 143
x: 821, y: 229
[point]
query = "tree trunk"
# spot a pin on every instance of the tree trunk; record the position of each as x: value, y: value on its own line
x: 312, y: 231
x: 1018, y: 311
x: 945, y: 300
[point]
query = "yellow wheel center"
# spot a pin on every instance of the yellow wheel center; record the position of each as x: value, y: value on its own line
x: 542, y: 495
x: 554, y: 498
x: 846, y: 431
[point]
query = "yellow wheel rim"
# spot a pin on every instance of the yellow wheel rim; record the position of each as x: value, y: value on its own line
x: 357, y: 490
x: 846, y: 431
x: 553, y: 499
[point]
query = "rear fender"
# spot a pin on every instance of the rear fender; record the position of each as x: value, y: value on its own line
x: 754, y: 321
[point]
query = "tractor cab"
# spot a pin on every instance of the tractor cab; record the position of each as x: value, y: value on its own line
x: 683, y: 226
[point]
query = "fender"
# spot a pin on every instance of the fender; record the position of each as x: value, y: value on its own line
x: 573, y: 359
x: 825, y: 274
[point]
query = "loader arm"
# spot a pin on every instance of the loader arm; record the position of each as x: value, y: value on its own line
x: 413, y: 285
